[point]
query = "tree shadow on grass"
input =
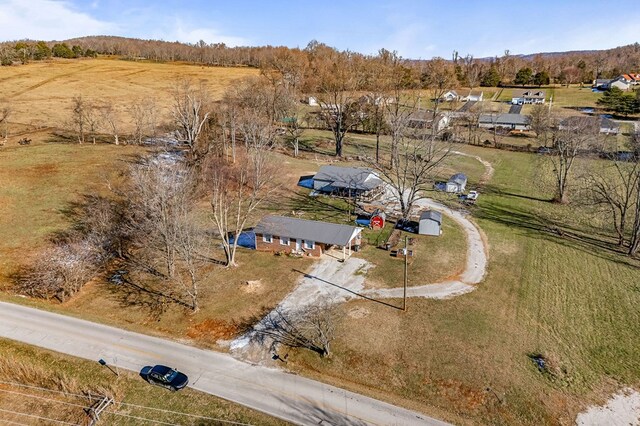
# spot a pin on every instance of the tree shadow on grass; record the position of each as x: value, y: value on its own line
x: 539, y: 226
x: 491, y: 189
x: 131, y: 292
x: 320, y: 206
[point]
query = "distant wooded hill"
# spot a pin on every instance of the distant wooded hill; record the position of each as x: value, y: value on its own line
x: 555, y: 67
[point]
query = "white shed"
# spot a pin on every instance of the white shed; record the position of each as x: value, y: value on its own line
x: 430, y: 223
x: 457, y: 183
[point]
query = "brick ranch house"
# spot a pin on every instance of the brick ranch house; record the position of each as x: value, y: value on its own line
x: 307, y: 237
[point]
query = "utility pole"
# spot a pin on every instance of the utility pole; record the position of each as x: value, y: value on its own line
x: 406, y: 270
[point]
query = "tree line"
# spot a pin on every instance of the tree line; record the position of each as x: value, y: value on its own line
x: 27, y: 51
x: 539, y: 69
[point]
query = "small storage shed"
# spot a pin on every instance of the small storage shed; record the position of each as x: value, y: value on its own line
x: 378, y: 219
x: 457, y: 183
x: 430, y: 223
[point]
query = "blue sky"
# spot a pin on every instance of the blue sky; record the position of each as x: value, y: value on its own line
x: 414, y: 28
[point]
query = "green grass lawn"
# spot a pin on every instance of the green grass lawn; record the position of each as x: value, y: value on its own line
x: 38, y: 182
x: 435, y: 258
x: 568, y: 296
x: 38, y: 367
x: 564, y: 298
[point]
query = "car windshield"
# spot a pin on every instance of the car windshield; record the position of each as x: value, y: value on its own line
x: 170, y: 375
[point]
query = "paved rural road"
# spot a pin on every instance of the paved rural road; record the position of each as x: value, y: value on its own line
x: 274, y: 392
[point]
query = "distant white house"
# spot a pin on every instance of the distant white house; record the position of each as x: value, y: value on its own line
x: 450, y: 96
x: 620, y: 83
x: 457, y: 183
x: 472, y: 97
x: 430, y: 223
x: 522, y: 97
x: 313, y: 101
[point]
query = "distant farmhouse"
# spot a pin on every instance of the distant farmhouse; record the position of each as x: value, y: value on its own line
x: 622, y: 82
x: 353, y: 182
x: 523, y: 97
x: 426, y: 120
x: 504, y: 121
x: 452, y: 95
x: 473, y: 97
x: 306, y: 237
x: 607, y: 126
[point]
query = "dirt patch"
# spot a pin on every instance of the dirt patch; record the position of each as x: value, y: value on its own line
x: 459, y: 394
x: 44, y: 170
x: 359, y: 313
x: 253, y: 286
x: 213, y: 330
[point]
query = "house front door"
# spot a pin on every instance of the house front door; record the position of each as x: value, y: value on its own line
x: 298, y: 245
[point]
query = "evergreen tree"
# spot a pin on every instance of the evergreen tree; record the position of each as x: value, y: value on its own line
x: 523, y: 76
x: 541, y: 78
x: 491, y: 78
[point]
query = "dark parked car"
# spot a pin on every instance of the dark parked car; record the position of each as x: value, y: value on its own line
x: 164, y: 376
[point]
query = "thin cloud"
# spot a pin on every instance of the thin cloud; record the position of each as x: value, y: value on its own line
x: 47, y: 20
x: 209, y: 35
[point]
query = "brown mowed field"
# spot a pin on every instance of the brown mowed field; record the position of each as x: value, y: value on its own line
x: 41, y: 93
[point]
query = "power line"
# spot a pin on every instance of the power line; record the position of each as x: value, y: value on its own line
x: 45, y: 389
x: 185, y: 414
x: 160, y: 422
x: 43, y: 398
x: 38, y: 417
x: 128, y: 404
x: 11, y: 422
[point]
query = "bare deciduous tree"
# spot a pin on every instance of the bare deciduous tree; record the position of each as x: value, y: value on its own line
x: 567, y: 144
x: 5, y: 113
x: 439, y: 78
x: 614, y: 185
x: 338, y: 83
x: 79, y: 117
x: 237, y: 190
x: 61, y: 271
x: 111, y: 119
x: 312, y: 327
x: 542, y: 123
x: 162, y: 197
x: 190, y: 112
x: 143, y: 114
x: 419, y: 154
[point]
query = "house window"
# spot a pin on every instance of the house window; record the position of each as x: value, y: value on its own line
x: 267, y: 238
x: 284, y: 241
x: 309, y: 244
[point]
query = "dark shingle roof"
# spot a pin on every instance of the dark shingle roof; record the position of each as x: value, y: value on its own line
x: 531, y: 94
x: 459, y: 178
x: 348, y: 177
x: 432, y: 215
x: 505, y: 119
x: 312, y: 230
x: 576, y: 121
